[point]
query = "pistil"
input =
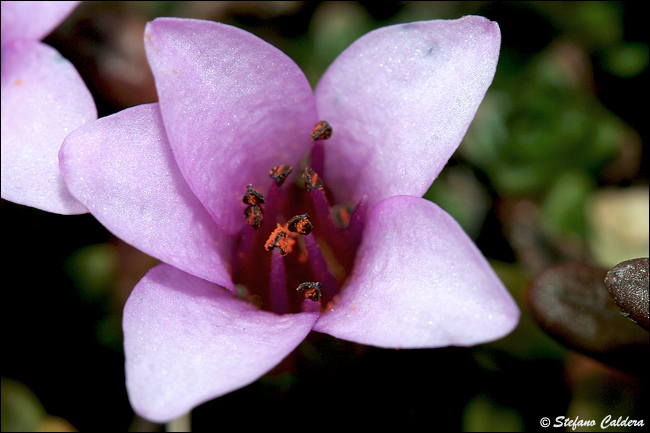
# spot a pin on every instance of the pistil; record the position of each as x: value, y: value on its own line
x: 327, y: 247
x: 280, y: 239
x: 278, y: 284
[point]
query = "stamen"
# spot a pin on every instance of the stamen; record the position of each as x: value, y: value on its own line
x: 357, y: 222
x: 333, y: 234
x: 300, y: 224
x: 322, y: 131
x: 254, y: 216
x: 310, y: 290
x: 280, y: 173
x: 280, y: 238
x: 319, y: 266
x: 323, y: 217
x: 341, y: 215
x: 317, y: 161
x: 275, y: 198
x: 312, y: 180
x: 278, y: 285
x: 252, y: 197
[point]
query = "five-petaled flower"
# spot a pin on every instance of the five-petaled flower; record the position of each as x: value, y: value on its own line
x: 176, y: 178
x: 43, y: 100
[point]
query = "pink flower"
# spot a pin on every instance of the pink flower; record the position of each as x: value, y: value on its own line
x: 172, y: 179
x: 43, y: 100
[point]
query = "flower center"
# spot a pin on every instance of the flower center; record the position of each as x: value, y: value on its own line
x: 285, y: 260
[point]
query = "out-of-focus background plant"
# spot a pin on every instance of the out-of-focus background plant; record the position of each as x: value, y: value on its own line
x: 550, y: 181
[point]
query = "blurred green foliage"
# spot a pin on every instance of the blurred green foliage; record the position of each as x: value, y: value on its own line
x: 537, y: 125
x: 21, y: 410
x: 483, y: 414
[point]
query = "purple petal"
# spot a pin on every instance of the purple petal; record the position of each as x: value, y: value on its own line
x: 234, y: 107
x: 121, y: 167
x: 188, y: 341
x: 32, y: 20
x: 400, y: 100
x: 419, y: 282
x: 43, y: 100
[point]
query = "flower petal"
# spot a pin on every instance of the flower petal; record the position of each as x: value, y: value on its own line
x: 32, y: 20
x: 233, y: 106
x: 418, y: 282
x: 121, y: 167
x: 43, y: 100
x: 400, y: 100
x: 188, y: 341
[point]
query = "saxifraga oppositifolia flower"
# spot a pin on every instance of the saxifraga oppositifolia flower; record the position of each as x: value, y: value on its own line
x: 277, y: 210
x: 43, y: 100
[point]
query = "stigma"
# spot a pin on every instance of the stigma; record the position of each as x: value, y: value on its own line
x: 324, y: 252
x: 281, y: 239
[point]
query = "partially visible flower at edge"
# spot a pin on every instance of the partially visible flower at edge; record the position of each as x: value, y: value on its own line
x: 43, y: 100
x: 169, y: 178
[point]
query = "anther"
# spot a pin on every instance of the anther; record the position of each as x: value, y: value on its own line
x: 280, y: 173
x: 254, y: 216
x: 312, y: 180
x: 252, y: 197
x: 322, y: 131
x: 281, y: 240
x: 340, y: 215
x: 300, y: 224
x: 310, y: 290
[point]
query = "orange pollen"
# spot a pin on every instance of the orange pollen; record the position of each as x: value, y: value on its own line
x: 300, y: 224
x: 254, y: 216
x: 310, y: 290
x: 312, y: 180
x: 252, y: 197
x: 322, y: 131
x: 281, y: 239
x: 280, y: 173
